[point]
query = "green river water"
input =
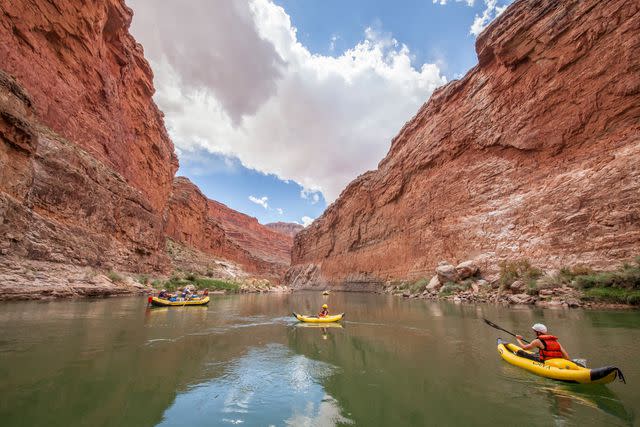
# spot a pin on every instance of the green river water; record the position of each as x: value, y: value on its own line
x: 243, y: 360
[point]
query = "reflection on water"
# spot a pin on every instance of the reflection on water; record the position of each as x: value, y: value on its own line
x: 244, y: 361
x: 567, y: 399
x: 266, y: 386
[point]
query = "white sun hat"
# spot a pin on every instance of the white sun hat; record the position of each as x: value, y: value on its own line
x: 539, y: 327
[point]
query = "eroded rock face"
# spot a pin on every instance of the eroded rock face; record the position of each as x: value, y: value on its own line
x: 288, y: 228
x: 534, y: 154
x: 90, y: 83
x: 213, y: 228
x: 59, y: 204
x: 87, y: 167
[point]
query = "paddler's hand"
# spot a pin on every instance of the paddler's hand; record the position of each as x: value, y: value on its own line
x: 520, y: 337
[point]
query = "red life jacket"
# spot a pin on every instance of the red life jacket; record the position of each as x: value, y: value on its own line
x: 551, y: 348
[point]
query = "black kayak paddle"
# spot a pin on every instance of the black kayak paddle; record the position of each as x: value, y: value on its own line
x: 493, y: 325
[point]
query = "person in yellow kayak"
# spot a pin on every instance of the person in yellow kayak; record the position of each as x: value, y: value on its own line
x: 547, y: 345
x: 325, y: 311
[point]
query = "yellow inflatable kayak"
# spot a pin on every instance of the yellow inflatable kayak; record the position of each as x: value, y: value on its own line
x: 557, y: 369
x: 160, y: 302
x: 315, y: 319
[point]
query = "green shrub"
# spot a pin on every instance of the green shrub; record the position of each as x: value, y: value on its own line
x: 581, y: 270
x: 633, y: 298
x: 114, y: 277
x: 628, y: 278
x: 218, y: 284
x: 418, y: 285
x: 532, y: 287
x: 143, y: 278
x: 613, y: 295
x: 510, y: 271
x: 190, y: 277
x: 450, y: 288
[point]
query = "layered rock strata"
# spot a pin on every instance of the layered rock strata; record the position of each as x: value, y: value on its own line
x: 90, y: 83
x: 59, y: 204
x: 534, y: 154
x: 87, y: 167
x: 211, y: 227
x: 288, y: 228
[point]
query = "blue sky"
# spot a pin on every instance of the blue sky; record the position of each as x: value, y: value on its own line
x: 275, y: 105
x: 226, y: 180
x: 433, y: 32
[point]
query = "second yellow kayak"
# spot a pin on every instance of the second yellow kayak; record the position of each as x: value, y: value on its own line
x: 557, y: 369
x: 315, y: 319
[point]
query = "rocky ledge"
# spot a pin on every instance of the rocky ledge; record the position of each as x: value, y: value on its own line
x: 519, y: 283
x: 24, y: 279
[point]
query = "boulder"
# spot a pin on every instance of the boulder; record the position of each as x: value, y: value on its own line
x: 446, y: 272
x: 521, y: 299
x: 480, y: 286
x: 518, y: 286
x: 466, y: 269
x: 574, y: 302
x: 545, y: 293
x: 434, y: 284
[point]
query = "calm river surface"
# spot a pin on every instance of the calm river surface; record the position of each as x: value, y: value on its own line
x: 243, y: 360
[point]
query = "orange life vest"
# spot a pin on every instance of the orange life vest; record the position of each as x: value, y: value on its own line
x: 551, y: 347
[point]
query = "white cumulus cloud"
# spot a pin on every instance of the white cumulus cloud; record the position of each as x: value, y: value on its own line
x: 444, y: 2
x: 492, y: 11
x: 306, y: 221
x: 262, y: 201
x: 311, y: 195
x: 233, y: 78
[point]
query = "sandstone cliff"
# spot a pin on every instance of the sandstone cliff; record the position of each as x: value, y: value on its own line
x: 534, y: 154
x: 87, y: 167
x: 194, y: 221
x: 90, y: 83
x: 288, y: 228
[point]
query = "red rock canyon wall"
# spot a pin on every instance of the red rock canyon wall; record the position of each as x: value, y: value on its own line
x: 213, y: 228
x: 86, y: 165
x: 534, y: 154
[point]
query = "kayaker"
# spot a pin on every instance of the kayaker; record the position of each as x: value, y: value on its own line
x: 325, y: 311
x: 547, y: 345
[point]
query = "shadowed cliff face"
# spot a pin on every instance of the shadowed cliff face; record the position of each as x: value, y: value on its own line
x: 58, y: 203
x: 534, y: 154
x: 89, y: 82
